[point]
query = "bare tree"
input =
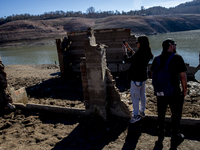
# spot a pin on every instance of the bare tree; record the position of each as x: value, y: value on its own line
x: 90, y: 12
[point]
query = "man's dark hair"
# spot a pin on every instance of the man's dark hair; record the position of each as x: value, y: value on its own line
x: 166, y: 44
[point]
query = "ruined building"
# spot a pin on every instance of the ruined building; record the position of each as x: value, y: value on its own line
x: 96, y: 62
x: 111, y: 38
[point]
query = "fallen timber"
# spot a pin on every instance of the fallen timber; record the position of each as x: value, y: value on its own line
x: 63, y: 110
x: 112, y: 39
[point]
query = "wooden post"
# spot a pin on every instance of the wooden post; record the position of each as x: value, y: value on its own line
x: 60, y: 57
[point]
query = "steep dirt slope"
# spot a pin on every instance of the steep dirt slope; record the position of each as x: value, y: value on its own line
x: 37, y: 30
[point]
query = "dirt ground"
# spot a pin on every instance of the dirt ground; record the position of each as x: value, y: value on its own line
x: 33, y: 130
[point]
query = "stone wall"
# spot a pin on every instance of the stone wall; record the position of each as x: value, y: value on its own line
x: 112, y: 38
x: 94, y: 75
x: 115, y: 105
x: 100, y: 92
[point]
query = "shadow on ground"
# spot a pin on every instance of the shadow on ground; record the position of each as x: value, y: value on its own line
x: 58, y: 88
x: 69, y: 88
x: 93, y: 133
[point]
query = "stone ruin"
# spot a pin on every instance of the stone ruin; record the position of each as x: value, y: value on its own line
x: 8, y: 93
x: 111, y: 38
x: 100, y: 93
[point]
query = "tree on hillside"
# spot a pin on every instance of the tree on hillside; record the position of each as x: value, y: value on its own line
x: 90, y: 12
x: 143, y: 10
x: 185, y: 8
x: 117, y: 12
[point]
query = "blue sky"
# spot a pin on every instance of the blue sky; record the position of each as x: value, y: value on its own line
x: 35, y: 7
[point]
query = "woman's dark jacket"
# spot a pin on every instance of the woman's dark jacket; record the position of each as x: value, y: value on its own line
x: 139, y: 62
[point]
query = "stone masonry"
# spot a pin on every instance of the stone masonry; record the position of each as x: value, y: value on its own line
x: 100, y: 93
x: 115, y: 105
x: 112, y: 38
x: 8, y: 93
x: 94, y: 76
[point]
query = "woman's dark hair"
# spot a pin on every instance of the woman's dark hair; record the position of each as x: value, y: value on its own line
x: 144, y: 45
x: 144, y: 41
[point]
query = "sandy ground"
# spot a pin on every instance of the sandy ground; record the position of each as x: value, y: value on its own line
x: 25, y: 129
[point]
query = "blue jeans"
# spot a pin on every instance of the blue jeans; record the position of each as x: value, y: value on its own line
x: 138, y: 93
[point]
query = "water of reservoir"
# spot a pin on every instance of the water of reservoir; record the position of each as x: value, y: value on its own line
x: 188, y: 46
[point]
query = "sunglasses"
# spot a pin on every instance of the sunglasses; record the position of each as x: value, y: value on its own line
x: 172, y: 44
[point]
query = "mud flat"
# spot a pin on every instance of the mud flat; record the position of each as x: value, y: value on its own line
x: 25, y: 129
x: 45, y: 86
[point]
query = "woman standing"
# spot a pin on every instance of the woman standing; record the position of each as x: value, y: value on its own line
x: 138, y: 75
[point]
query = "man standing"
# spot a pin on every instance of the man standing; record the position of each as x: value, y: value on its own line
x: 177, y: 70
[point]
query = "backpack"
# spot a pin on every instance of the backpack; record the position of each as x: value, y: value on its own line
x: 161, y: 78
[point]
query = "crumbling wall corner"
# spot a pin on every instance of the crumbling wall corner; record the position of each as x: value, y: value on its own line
x: 115, y: 105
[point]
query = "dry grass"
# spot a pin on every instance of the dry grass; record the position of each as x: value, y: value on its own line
x: 27, y: 30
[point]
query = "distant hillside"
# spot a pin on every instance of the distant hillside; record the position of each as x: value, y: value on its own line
x: 192, y: 7
x: 32, y: 31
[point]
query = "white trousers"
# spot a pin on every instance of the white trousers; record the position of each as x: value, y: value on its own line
x: 138, y: 93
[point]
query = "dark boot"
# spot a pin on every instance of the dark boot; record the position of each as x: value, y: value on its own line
x: 176, y: 140
x: 159, y: 142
